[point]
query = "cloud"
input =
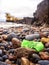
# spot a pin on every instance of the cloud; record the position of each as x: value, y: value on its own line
x: 19, y: 8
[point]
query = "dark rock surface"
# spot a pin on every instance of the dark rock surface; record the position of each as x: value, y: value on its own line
x: 42, y: 13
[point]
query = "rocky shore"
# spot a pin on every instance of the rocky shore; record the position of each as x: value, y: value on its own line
x: 13, y: 53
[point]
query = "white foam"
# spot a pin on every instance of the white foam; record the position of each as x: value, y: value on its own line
x: 7, y: 25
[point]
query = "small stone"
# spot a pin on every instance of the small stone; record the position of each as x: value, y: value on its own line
x: 23, y: 52
x: 4, y: 37
x: 18, y: 61
x: 24, y: 61
x: 47, y: 45
x: 35, y: 58
x: 8, y: 61
x: 43, y: 62
x: 12, y: 57
x: 1, y: 59
x: 1, y: 40
x: 44, y: 55
x: 1, y: 52
x: 10, y: 36
x: 16, y: 43
x: 5, y: 57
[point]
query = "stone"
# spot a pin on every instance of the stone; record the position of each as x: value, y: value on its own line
x: 12, y: 56
x: 32, y: 36
x: 8, y: 61
x: 16, y: 42
x: 5, y: 57
x: 23, y: 52
x: 47, y: 45
x: 4, y: 36
x: 45, y: 40
x: 3, y: 63
x: 18, y: 61
x: 24, y: 61
x: 10, y: 36
x: 1, y: 52
x: 43, y: 62
x: 44, y: 55
x: 35, y: 58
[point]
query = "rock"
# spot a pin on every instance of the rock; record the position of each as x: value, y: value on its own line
x: 41, y: 14
x: 1, y: 40
x: 18, y: 61
x: 32, y: 36
x: 1, y: 59
x: 25, y: 30
x: 1, y: 52
x: 44, y: 55
x: 35, y: 58
x: 23, y: 52
x: 3, y: 63
x: 16, y: 42
x: 5, y: 57
x: 46, y: 50
x: 10, y: 36
x: 2, y: 47
x: 32, y: 63
x: 4, y: 36
x: 43, y: 62
x: 24, y: 61
x: 47, y: 45
x: 11, y: 51
x: 8, y: 61
x: 12, y: 56
x: 45, y: 40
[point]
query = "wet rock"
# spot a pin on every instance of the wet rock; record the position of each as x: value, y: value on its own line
x: 1, y: 52
x: 1, y: 29
x: 18, y: 61
x: 2, y: 47
x: 0, y: 33
x: 22, y: 36
x: 11, y: 51
x: 5, y: 57
x: 32, y: 63
x: 5, y: 52
x: 23, y: 52
x: 16, y: 42
x: 10, y: 36
x: 3, y: 63
x: 43, y: 62
x: 1, y: 40
x: 4, y: 37
x: 44, y: 55
x: 12, y: 56
x: 5, y: 32
x: 46, y: 50
x: 8, y: 61
x: 32, y: 36
x: 1, y: 59
x: 45, y: 40
x: 25, y: 30
x: 47, y: 45
x: 35, y: 58
x: 24, y: 61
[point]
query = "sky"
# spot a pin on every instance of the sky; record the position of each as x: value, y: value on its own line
x: 18, y: 8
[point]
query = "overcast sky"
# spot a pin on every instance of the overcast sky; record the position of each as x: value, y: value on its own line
x: 18, y: 8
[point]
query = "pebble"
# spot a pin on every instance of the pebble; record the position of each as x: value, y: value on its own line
x: 43, y: 62
x: 11, y: 52
x: 10, y: 36
x: 32, y: 37
x: 16, y: 42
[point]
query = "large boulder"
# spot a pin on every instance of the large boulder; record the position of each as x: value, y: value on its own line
x: 42, y: 13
